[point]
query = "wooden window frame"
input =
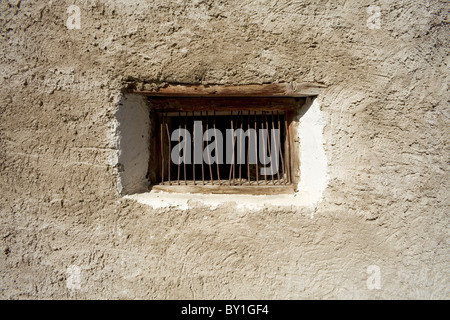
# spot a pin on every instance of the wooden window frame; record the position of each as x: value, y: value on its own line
x: 271, y: 97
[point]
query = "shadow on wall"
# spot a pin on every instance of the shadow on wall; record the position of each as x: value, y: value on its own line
x: 133, y: 140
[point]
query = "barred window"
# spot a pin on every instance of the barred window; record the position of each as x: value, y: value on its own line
x: 218, y: 139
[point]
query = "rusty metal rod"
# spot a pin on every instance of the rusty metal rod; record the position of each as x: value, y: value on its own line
x: 217, y: 149
x: 264, y: 145
x: 248, y: 147
x: 281, y: 153
x: 170, y: 148
x: 232, y: 159
x: 179, y: 141
x: 193, y: 163
x: 288, y: 155
x: 185, y: 147
x: 203, y: 171
x: 256, y: 150
x: 279, y: 145
x: 207, y: 149
x: 268, y: 145
x: 240, y: 148
x: 162, y: 148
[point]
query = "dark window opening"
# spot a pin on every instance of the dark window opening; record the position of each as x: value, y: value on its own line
x: 255, y: 150
x: 239, y: 169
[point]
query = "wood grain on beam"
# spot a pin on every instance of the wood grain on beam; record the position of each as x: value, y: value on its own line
x: 223, y: 104
x: 250, y: 90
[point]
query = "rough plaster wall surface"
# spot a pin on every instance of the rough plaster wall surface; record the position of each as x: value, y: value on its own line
x: 65, y: 231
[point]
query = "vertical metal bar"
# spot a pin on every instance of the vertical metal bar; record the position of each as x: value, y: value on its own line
x: 281, y: 153
x: 288, y: 156
x: 234, y: 147
x: 232, y: 159
x: 170, y: 148
x: 264, y: 145
x: 268, y: 145
x: 162, y: 148
x: 207, y: 149
x: 256, y: 150
x: 184, y: 150
x: 240, y: 149
x: 185, y: 146
x: 248, y: 147
x: 179, y: 141
x: 193, y: 163
x: 203, y: 171
x: 217, y: 150
x: 279, y: 147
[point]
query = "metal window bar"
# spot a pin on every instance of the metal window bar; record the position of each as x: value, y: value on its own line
x: 288, y: 154
x: 163, y: 162
x: 217, y: 149
x: 203, y: 169
x: 233, y: 154
x: 240, y: 151
x: 269, y: 143
x: 193, y: 153
x: 281, y: 153
x: 179, y: 141
x: 279, y: 147
x: 207, y: 149
x: 248, y: 148
x: 256, y: 151
x: 263, y: 146
x: 184, y: 150
x: 168, y: 150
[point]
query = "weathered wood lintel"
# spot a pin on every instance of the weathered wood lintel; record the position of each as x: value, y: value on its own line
x: 250, y: 90
x: 223, y: 104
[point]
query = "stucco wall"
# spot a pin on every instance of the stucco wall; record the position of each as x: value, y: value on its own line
x: 67, y: 232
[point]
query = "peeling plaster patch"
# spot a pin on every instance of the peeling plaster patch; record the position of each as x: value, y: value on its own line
x: 313, y: 161
x: 161, y: 201
x: 73, y: 281
x: 248, y: 206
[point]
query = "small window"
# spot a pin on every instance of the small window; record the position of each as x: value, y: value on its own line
x: 222, y: 145
x: 218, y: 139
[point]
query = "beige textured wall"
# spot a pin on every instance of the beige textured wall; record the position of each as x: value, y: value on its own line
x: 66, y: 233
